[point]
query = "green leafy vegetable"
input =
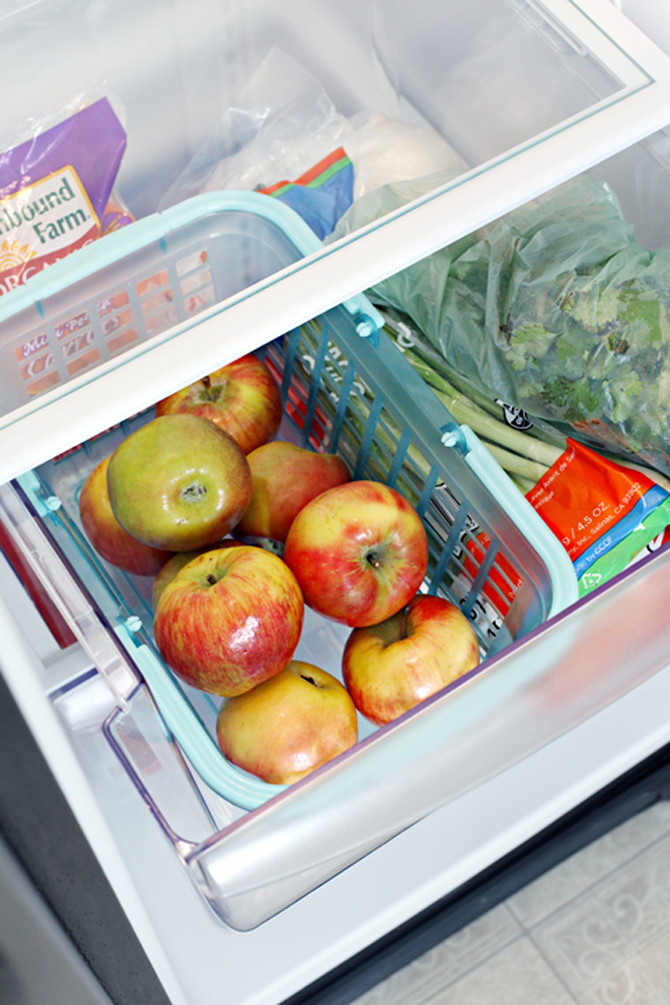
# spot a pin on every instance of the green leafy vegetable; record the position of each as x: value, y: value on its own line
x: 555, y: 309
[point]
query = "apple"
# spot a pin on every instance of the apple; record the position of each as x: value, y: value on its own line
x: 177, y: 561
x: 229, y: 619
x: 242, y: 397
x: 390, y: 667
x: 285, y: 478
x: 359, y: 552
x: 285, y: 728
x: 178, y: 483
x: 106, y: 534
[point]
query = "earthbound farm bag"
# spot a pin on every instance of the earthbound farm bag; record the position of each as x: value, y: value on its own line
x: 56, y: 191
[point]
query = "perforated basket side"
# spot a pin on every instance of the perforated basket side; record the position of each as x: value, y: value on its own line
x: 364, y: 402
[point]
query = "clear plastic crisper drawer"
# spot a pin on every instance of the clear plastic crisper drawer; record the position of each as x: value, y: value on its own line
x: 345, y: 389
x: 345, y: 392
x: 356, y: 396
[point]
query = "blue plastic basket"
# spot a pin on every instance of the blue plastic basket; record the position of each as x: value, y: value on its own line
x: 346, y: 389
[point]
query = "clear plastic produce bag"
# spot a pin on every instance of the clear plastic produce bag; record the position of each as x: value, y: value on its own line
x: 554, y: 308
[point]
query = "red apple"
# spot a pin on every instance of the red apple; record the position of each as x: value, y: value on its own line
x: 390, y: 667
x: 178, y: 483
x: 284, y: 479
x: 359, y: 552
x: 230, y: 619
x: 176, y: 562
x: 285, y: 728
x: 242, y: 397
x: 106, y: 534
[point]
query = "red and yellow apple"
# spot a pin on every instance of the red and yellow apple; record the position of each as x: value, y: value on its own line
x: 359, y: 552
x: 229, y: 619
x: 176, y: 562
x: 178, y: 483
x: 285, y: 728
x: 284, y: 479
x: 106, y: 534
x: 242, y: 397
x: 390, y: 667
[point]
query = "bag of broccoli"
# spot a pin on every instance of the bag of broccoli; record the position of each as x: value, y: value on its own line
x: 556, y: 309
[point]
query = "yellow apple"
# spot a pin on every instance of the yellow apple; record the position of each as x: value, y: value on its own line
x: 285, y: 728
x: 178, y: 483
x: 390, y: 667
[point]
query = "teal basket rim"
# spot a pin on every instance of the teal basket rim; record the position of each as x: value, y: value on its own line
x: 156, y: 228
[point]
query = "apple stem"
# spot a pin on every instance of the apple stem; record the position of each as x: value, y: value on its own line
x: 310, y: 680
x: 207, y: 384
x: 373, y: 559
x: 211, y: 579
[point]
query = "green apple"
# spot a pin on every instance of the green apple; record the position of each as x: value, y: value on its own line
x: 284, y: 479
x: 178, y: 483
x: 287, y: 727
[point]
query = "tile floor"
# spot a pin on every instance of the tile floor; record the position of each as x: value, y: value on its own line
x: 595, y: 930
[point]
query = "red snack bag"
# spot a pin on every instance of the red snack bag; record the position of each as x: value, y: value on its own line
x: 603, y: 513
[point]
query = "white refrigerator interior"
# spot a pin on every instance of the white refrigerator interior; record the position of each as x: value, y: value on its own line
x: 234, y: 886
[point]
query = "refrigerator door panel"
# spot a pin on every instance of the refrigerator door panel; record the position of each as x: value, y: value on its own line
x: 625, y: 100
x: 38, y: 961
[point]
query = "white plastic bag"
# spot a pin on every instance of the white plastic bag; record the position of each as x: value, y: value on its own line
x: 282, y: 122
x: 386, y: 150
x: 278, y: 125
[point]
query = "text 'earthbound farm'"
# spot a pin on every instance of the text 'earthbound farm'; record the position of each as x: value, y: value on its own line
x: 52, y: 212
